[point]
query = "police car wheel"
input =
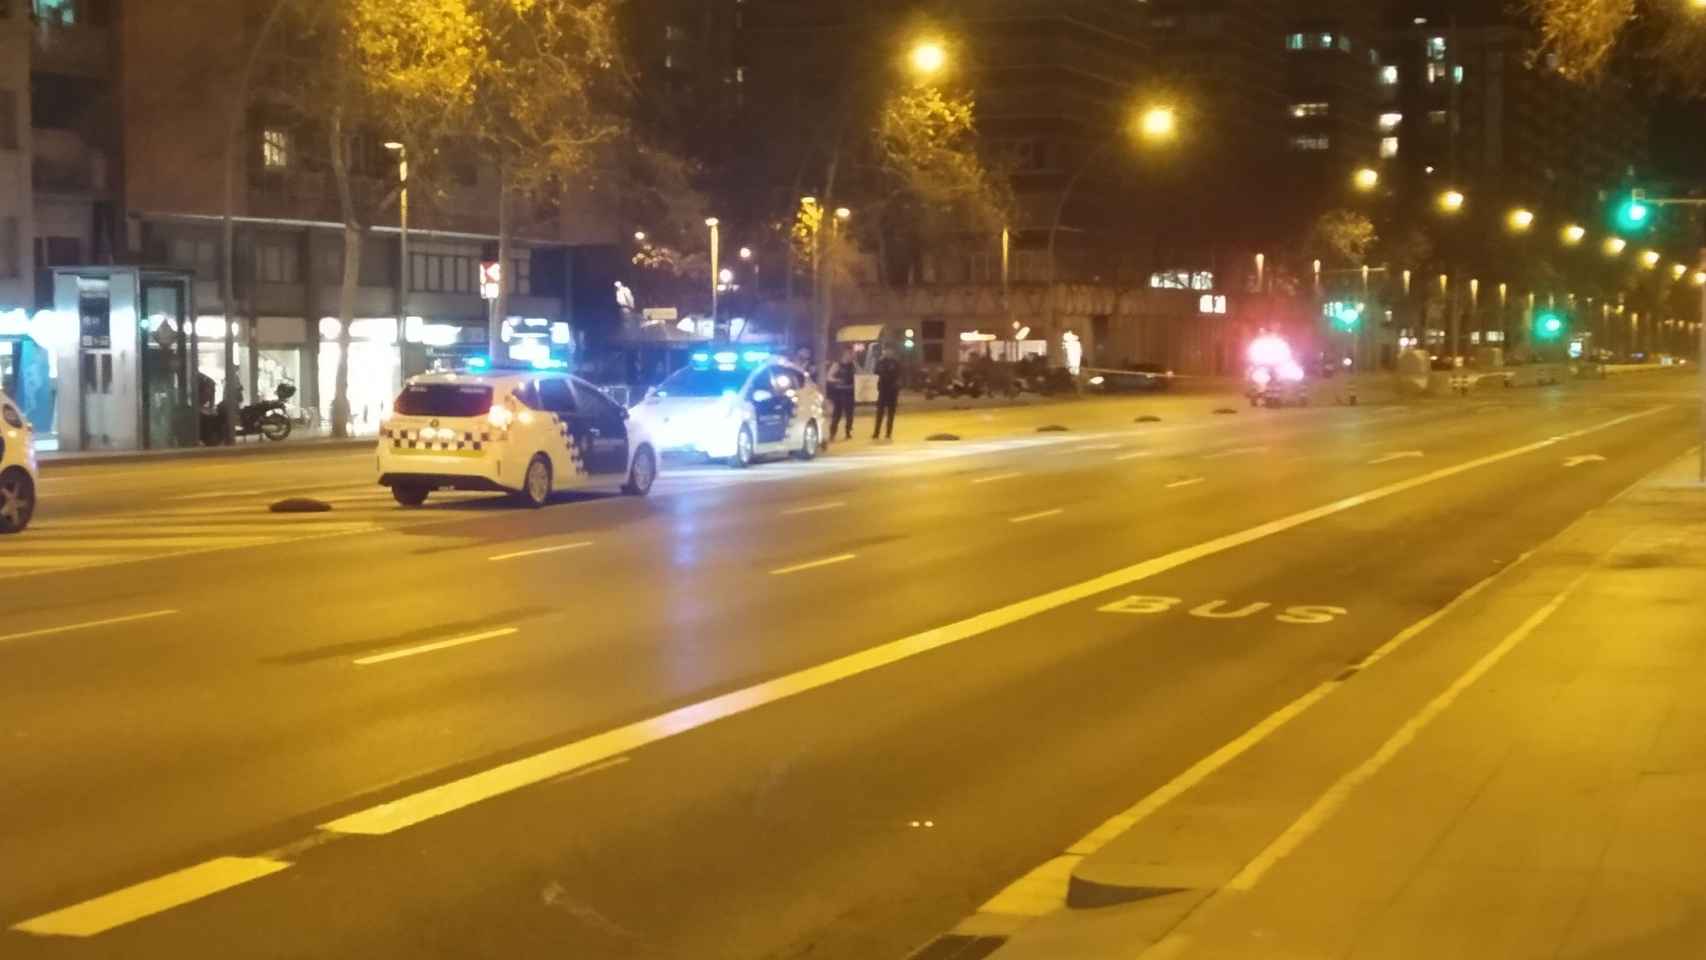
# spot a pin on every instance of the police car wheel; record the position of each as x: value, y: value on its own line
x: 536, y: 486
x: 17, y: 500
x: 409, y: 494
x: 642, y: 473
x: 809, y: 446
x: 743, y: 450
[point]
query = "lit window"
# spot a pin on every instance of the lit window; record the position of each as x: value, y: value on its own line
x: 1438, y: 117
x: 1315, y: 109
x: 1390, y: 121
x: 1326, y: 41
x: 1311, y: 144
x: 1457, y: 74
x: 61, y: 13
x: 1388, y: 147
x: 275, y: 149
x: 1389, y: 76
x: 1436, y: 72
x: 1294, y: 41
x: 1436, y: 48
x: 1212, y: 303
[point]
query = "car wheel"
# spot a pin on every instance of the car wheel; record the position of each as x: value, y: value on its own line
x: 275, y: 426
x: 536, y: 485
x: 17, y: 500
x: 743, y: 450
x: 642, y: 474
x: 409, y: 494
x: 808, y: 446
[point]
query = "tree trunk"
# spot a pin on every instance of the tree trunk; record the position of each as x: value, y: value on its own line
x: 234, y: 125
x: 341, y: 411
x: 353, y: 233
x: 500, y: 306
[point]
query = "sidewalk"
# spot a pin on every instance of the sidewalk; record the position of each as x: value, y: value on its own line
x: 246, y: 447
x: 1525, y: 779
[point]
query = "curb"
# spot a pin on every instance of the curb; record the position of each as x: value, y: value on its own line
x: 196, y: 454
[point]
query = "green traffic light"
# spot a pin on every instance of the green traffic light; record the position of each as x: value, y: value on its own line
x: 1549, y: 326
x: 1634, y: 215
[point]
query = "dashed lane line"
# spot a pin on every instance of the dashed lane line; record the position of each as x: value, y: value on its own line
x: 1193, y: 481
x: 813, y: 565
x: 1039, y: 515
x: 437, y: 645
x: 88, y: 625
x: 996, y: 478
x: 542, y: 550
x: 815, y: 508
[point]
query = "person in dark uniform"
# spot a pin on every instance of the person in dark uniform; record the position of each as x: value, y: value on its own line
x: 841, y: 395
x: 888, y: 397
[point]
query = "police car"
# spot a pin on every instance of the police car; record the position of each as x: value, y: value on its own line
x: 736, y: 406
x: 527, y: 433
x: 17, y: 468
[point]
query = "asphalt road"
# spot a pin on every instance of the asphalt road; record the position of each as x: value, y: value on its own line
x: 817, y: 710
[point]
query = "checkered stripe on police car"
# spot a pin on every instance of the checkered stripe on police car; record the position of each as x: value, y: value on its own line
x: 576, y: 456
x: 411, y: 440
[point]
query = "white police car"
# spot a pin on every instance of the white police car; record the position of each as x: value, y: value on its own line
x: 528, y: 433
x: 735, y: 406
x: 17, y: 468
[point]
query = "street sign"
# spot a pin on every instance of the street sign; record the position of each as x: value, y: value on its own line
x: 491, y: 275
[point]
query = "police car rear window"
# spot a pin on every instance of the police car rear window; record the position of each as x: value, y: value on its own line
x: 445, y: 400
x: 703, y: 382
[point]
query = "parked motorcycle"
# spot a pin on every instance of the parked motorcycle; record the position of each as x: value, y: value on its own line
x: 942, y: 385
x: 267, y: 418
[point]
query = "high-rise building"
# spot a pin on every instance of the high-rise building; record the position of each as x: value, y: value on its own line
x: 1477, y: 111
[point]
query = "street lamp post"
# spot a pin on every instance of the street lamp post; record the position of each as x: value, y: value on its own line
x: 716, y: 270
x: 403, y: 278
x: 1156, y: 124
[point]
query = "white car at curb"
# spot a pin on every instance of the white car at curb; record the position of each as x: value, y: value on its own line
x: 17, y: 468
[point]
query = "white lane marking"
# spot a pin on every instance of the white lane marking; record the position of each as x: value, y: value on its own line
x: 1133, y: 456
x: 1040, y: 515
x: 436, y: 645
x: 1176, y: 484
x: 1401, y: 455
x: 542, y: 550
x: 1096, y: 447
x: 209, y: 538
x: 215, y: 495
x: 149, y: 897
x: 1578, y: 461
x: 424, y: 805
x: 1330, y: 802
x: 48, y: 563
x: 815, y: 508
x: 1236, y: 452
x: 996, y: 479
x: 813, y: 565
x: 90, y: 625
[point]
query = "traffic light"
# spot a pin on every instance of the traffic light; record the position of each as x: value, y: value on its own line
x: 1634, y: 213
x: 1548, y: 325
x: 1345, y: 316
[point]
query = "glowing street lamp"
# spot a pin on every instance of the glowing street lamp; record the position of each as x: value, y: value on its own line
x: 1158, y: 123
x: 746, y: 253
x: 1519, y: 220
x: 1573, y: 234
x: 1677, y: 270
x: 1451, y: 201
x: 1614, y: 246
x: 639, y: 236
x: 1366, y: 179
x: 842, y: 213
x: 1650, y: 258
x: 928, y: 58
